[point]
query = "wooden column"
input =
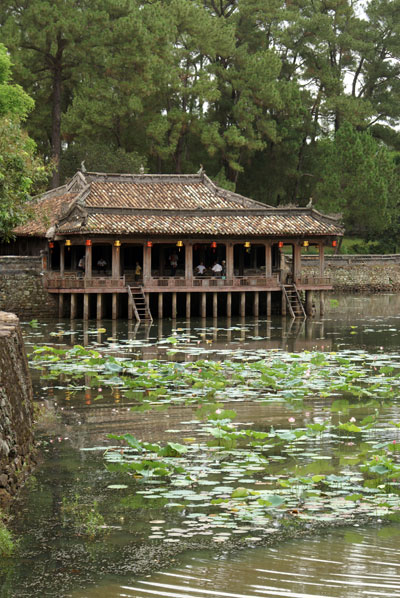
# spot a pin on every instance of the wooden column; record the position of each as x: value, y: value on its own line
x: 203, y: 305
x: 321, y: 303
x: 130, y: 308
x: 174, y: 306
x: 309, y: 303
x: 215, y: 305
x: 160, y: 305
x: 74, y: 297
x: 99, y: 306
x: 283, y: 301
x: 269, y: 303
x: 116, y: 262
x: 242, y: 304
x: 188, y: 304
x: 86, y: 306
x: 114, y: 309
x: 60, y: 305
x: 321, y: 259
x: 146, y: 263
x: 256, y: 304
x: 229, y: 305
x: 229, y: 260
x: 268, y: 260
x: 88, y: 262
x: 62, y: 259
x: 296, y: 267
x: 189, y: 262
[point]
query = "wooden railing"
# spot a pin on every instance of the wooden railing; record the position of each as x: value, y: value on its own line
x: 53, y: 280
x: 317, y: 281
x: 211, y: 281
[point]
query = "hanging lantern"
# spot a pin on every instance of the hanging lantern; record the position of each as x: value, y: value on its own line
x: 117, y: 243
x: 88, y: 243
x: 214, y: 246
x: 68, y: 244
x: 280, y: 244
x: 51, y: 245
x: 247, y: 245
x: 149, y: 244
x: 179, y: 244
x: 305, y: 243
x: 334, y: 243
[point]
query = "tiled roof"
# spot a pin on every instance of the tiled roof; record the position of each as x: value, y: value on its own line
x: 191, y: 205
x: 301, y: 222
x: 45, y: 212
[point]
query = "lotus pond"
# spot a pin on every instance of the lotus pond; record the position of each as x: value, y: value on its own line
x: 191, y: 435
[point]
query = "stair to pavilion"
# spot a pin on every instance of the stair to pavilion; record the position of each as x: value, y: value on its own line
x: 293, y: 301
x: 139, y: 304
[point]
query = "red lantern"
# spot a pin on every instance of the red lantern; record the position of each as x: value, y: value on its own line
x: 51, y: 245
x: 214, y: 245
x: 88, y: 243
x: 334, y: 243
x: 280, y: 244
x: 149, y: 244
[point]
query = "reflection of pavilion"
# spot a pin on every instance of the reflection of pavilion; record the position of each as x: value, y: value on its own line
x: 146, y: 223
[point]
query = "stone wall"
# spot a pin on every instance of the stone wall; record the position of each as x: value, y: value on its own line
x: 367, y: 277
x: 16, y: 409
x: 21, y: 288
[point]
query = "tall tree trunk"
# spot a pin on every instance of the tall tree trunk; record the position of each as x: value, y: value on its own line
x: 56, y: 125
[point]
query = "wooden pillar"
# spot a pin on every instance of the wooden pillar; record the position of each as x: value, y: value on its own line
x: 99, y: 306
x: 296, y: 263
x: 321, y: 303
x: 283, y: 301
x: 309, y: 303
x: 243, y: 304
x: 86, y: 306
x: 188, y: 304
x: 62, y: 259
x: 116, y: 262
x: 321, y: 259
x: 130, y: 308
x: 160, y: 305
x: 74, y: 297
x: 229, y: 305
x: 146, y: 263
x: 114, y: 309
x: 174, y: 306
x: 268, y: 260
x: 215, y: 305
x: 189, y: 262
x: 229, y: 260
x: 256, y: 304
x: 60, y: 305
x: 203, y: 305
x: 88, y: 262
x: 269, y: 303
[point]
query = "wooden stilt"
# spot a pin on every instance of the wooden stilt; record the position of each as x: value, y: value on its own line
x: 309, y: 303
x: 283, y: 303
x: 99, y: 306
x: 269, y: 304
x: 321, y: 303
x: 86, y: 306
x: 229, y: 305
x: 215, y: 305
x: 242, y: 304
x: 60, y: 305
x: 256, y: 304
x: 188, y: 304
x: 160, y: 305
x: 74, y: 297
x: 203, y: 305
x: 114, y: 314
x: 174, y: 306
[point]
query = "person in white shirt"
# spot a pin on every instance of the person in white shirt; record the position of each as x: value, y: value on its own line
x: 217, y: 269
x: 200, y: 269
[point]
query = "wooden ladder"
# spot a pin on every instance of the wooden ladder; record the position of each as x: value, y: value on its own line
x: 139, y: 303
x: 293, y: 301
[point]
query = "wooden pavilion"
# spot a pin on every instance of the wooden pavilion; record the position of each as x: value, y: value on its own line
x: 121, y: 224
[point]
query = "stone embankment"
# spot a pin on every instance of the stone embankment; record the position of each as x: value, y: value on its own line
x: 16, y: 409
x: 21, y: 288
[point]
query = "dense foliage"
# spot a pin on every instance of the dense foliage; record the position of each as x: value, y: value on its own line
x: 280, y: 101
